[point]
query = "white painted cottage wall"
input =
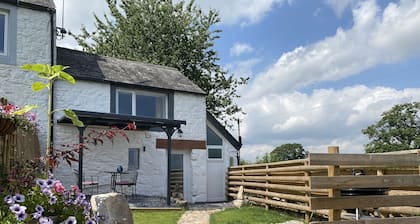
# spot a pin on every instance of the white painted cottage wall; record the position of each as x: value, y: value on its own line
x: 33, y: 46
x: 192, y: 108
x: 152, y: 181
x: 229, y: 153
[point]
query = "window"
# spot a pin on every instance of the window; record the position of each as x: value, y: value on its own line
x: 133, y: 159
x: 3, y: 33
x: 214, y: 145
x: 215, y: 152
x: 142, y: 103
x: 8, y: 33
x: 213, y: 138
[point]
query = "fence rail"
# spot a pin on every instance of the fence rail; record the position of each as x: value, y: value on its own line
x: 315, y: 184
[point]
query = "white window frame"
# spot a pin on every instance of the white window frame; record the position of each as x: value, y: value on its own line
x: 215, y: 147
x: 6, y: 32
x: 133, y: 100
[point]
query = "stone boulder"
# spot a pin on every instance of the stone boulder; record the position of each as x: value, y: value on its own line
x: 112, y: 208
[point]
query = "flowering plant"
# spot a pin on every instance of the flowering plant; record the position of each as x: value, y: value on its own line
x: 46, y: 203
x: 22, y: 117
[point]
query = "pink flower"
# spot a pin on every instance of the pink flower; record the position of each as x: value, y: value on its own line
x: 75, y: 188
x: 58, y: 187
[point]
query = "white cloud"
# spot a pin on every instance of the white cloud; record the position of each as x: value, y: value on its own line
x: 339, y: 6
x: 243, y: 68
x: 240, y: 48
x: 324, y: 117
x: 76, y: 14
x: 375, y: 38
x: 244, y: 12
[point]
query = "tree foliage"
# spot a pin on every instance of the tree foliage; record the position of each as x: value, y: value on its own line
x: 398, y: 129
x: 288, y: 151
x: 175, y: 34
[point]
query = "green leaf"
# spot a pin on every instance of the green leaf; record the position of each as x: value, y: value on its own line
x: 59, y: 68
x: 25, y: 109
x: 39, y: 68
x: 73, y: 117
x: 38, y: 86
x: 67, y: 76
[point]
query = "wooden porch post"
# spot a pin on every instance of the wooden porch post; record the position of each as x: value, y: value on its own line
x: 333, y: 214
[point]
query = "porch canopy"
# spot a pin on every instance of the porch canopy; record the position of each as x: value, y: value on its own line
x: 119, y: 120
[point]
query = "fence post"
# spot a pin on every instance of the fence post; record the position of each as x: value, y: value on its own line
x: 307, y: 194
x: 267, y: 206
x: 333, y: 214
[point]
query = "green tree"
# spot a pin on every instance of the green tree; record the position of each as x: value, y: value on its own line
x: 288, y: 151
x: 265, y: 159
x: 175, y: 34
x: 398, y: 129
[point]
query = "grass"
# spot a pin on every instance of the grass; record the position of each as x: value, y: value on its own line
x: 157, y: 217
x: 248, y: 215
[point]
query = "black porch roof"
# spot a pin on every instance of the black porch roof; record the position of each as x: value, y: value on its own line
x: 120, y: 120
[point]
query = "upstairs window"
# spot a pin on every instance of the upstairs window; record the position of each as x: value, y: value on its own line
x: 3, y: 33
x: 8, y: 33
x: 142, y: 104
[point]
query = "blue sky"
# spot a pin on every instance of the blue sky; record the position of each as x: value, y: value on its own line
x: 320, y: 70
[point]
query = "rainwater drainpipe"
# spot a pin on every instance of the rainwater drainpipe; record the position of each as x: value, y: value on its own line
x: 238, y: 151
x: 53, y: 36
x: 81, y: 146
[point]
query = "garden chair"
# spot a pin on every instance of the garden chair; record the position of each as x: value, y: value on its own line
x: 92, y: 183
x: 128, y: 179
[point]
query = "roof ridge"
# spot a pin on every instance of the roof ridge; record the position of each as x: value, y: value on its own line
x: 130, y: 60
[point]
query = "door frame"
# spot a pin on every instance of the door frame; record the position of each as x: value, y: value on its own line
x: 186, y: 171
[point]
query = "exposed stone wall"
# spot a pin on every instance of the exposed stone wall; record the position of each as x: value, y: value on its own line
x: 33, y: 46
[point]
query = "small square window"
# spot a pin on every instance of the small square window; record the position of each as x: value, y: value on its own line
x: 214, y: 153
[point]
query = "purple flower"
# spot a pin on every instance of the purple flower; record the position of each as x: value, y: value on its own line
x: 71, y: 220
x: 19, y: 198
x: 53, y: 200
x: 46, y: 191
x: 80, y: 198
x: 45, y: 220
x: 90, y: 221
x: 36, y: 215
x: 17, y: 208
x: 50, y: 182
x: 39, y: 208
x: 41, y: 183
x: 21, y: 216
x: 9, y: 200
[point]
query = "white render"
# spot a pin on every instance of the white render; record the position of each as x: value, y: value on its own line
x: 95, y: 97
x: 33, y: 46
x: 228, y: 159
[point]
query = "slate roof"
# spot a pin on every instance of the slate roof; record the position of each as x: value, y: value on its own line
x: 85, y: 66
x: 38, y: 4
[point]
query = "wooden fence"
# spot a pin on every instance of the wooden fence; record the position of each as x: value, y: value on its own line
x: 18, y: 146
x: 314, y: 185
